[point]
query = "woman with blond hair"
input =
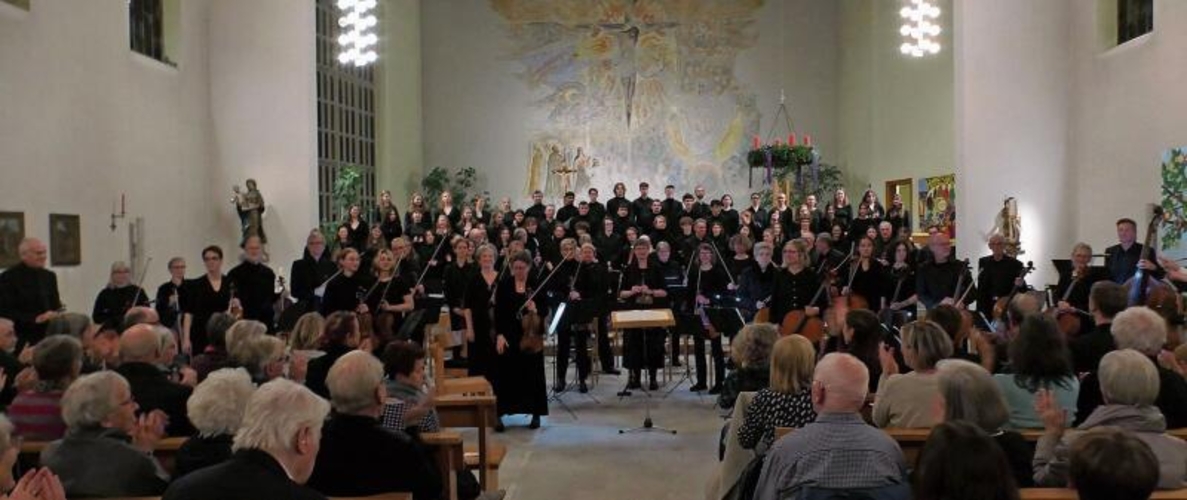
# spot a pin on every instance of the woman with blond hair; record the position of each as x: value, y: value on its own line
x: 306, y: 335
x: 907, y: 400
x: 788, y: 400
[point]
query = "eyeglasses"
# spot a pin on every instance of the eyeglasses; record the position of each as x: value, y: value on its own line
x: 212, y: 258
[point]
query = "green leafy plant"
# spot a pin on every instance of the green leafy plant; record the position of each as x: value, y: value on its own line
x: 439, y: 180
x: 1174, y: 205
x: 827, y: 180
x: 346, y: 191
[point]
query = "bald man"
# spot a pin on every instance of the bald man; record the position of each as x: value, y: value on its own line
x: 140, y: 352
x: 838, y: 451
x: 29, y: 293
x: 998, y: 274
x: 936, y: 280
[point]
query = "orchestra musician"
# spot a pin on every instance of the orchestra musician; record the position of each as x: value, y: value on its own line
x: 29, y: 292
x: 255, y: 284
x: 205, y: 295
x: 998, y: 275
x: 388, y: 299
x: 936, y: 281
x: 118, y: 296
x: 757, y: 282
x: 795, y: 286
x: 458, y: 276
x: 478, y: 315
x: 520, y: 386
x: 1075, y: 286
x: 867, y: 277
x: 585, y: 289
x: 642, y: 287
x: 706, y: 279
x: 170, y: 295
x: 901, y: 297
x: 311, y: 271
x: 673, y: 274
x: 345, y: 291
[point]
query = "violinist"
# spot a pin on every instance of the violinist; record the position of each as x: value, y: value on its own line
x: 402, y: 250
x: 345, y: 291
x: 1074, y: 287
x: 585, y: 290
x: 205, y: 295
x: 388, y: 299
x: 707, y: 279
x: 998, y: 275
x: 756, y: 283
x: 118, y: 296
x: 795, y: 286
x: 825, y: 256
x: 673, y: 274
x: 937, y: 281
x: 867, y: 278
x: 642, y: 287
x: 313, y: 269
x: 901, y: 296
x: 520, y: 386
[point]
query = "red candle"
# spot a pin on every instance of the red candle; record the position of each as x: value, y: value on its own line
x: 807, y: 140
x: 755, y: 142
x: 791, y: 139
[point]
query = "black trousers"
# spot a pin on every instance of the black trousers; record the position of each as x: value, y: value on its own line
x: 718, y: 358
x: 644, y: 348
x: 566, y: 338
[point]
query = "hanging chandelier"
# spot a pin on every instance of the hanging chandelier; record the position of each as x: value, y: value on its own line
x: 920, y: 27
x: 358, y: 39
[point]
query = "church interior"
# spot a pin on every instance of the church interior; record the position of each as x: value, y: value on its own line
x: 473, y: 152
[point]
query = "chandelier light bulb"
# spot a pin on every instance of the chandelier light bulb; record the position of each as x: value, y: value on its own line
x: 918, y: 28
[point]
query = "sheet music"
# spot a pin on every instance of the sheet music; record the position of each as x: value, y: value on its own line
x: 641, y: 315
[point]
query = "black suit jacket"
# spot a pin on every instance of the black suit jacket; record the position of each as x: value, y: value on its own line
x: 1087, y: 349
x: 25, y: 293
x: 153, y: 390
x: 248, y: 475
x: 358, y: 457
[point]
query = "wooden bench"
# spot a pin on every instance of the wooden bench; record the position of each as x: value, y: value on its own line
x: 1070, y: 494
x: 474, y: 412
x: 385, y: 496
x: 165, y: 452
x: 448, y: 451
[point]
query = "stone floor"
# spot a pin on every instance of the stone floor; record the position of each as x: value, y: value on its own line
x: 583, y: 457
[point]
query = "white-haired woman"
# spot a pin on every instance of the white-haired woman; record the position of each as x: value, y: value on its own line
x: 1129, y: 384
x: 274, y: 449
x: 119, y: 295
x: 264, y: 357
x: 216, y: 410
x: 968, y: 392
x: 36, y: 484
x: 101, y: 421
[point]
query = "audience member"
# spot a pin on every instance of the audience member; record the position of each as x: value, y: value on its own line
x: 358, y: 457
x: 37, y: 413
x: 751, y: 354
x: 141, y: 315
x: 408, y: 408
x: 968, y: 343
x: 214, y: 356
x: 104, y: 351
x: 1143, y: 330
x: 969, y: 393
x: 263, y: 357
x: 274, y: 450
x: 107, y: 450
x: 788, y: 400
x: 908, y: 400
x: 1129, y: 385
x: 960, y: 460
x: 1112, y: 464
x: 10, y: 361
x: 861, y: 335
x: 36, y: 484
x: 216, y: 410
x: 1105, y: 301
x: 838, y: 452
x: 306, y: 335
x: 1039, y: 359
x: 140, y: 351
x: 240, y: 331
x: 340, y: 337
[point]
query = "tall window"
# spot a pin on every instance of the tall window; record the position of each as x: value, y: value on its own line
x: 146, y: 22
x: 345, y: 116
x: 1134, y: 18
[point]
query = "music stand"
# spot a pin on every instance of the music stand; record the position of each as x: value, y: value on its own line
x: 686, y: 322
x: 726, y: 320
x: 642, y: 319
x: 411, y: 323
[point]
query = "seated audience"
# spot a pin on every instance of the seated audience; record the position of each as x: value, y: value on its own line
x: 340, y: 337
x: 788, y: 401
x: 274, y: 450
x: 305, y: 338
x: 1129, y: 385
x: 1143, y: 330
x: 751, y: 353
x: 10, y: 361
x: 860, y: 336
x: 908, y: 400
x: 968, y: 343
x: 37, y: 413
x: 140, y: 351
x: 1111, y: 464
x: 216, y: 410
x: 969, y: 393
x: 359, y: 457
x: 408, y: 408
x: 1105, y: 301
x: 104, y: 351
x: 960, y: 460
x: 239, y: 332
x: 141, y: 315
x: 107, y: 450
x: 263, y: 357
x: 1039, y: 359
x: 214, y: 356
x: 838, y: 452
x: 36, y: 484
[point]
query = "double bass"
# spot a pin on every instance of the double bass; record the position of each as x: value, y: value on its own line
x: 1144, y: 289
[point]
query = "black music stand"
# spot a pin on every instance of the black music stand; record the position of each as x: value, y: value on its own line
x: 726, y: 320
x: 685, y: 323
x: 558, y: 322
x: 648, y: 424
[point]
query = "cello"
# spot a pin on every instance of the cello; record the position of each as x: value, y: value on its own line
x: 1003, y: 304
x: 1070, y: 322
x: 798, y: 321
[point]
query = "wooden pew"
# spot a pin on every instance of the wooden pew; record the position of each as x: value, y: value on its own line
x: 474, y: 412
x: 450, y: 458
x: 385, y: 496
x: 1070, y: 494
x: 166, y: 453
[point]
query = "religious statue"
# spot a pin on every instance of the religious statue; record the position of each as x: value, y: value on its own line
x: 581, y: 164
x: 559, y: 172
x: 250, y: 206
x: 1008, y: 224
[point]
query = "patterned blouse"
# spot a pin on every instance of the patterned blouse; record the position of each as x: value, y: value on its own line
x: 769, y: 410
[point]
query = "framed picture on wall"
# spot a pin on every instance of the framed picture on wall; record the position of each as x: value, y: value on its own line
x: 12, y: 231
x: 65, y: 240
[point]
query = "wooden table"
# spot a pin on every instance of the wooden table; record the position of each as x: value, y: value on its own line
x: 470, y: 411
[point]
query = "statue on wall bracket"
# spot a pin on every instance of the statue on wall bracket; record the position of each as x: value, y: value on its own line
x: 1008, y: 224
x: 250, y: 206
